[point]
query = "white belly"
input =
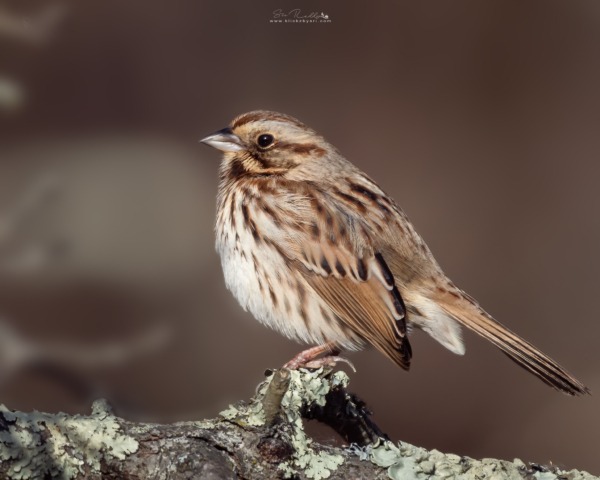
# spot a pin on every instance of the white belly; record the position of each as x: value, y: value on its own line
x: 262, y: 282
x: 249, y: 285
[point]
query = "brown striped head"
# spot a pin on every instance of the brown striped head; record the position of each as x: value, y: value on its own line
x: 266, y: 143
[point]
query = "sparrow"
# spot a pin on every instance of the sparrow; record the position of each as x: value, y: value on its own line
x: 312, y: 247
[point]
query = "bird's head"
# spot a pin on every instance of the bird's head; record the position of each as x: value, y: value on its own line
x: 267, y: 143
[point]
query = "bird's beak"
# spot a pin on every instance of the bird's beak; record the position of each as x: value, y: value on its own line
x: 224, y: 140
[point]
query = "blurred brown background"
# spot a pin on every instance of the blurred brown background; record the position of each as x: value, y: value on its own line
x: 480, y: 118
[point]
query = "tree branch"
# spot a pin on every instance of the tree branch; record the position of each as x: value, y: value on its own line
x: 263, y: 438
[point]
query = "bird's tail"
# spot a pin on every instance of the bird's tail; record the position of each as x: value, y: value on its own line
x: 467, y: 312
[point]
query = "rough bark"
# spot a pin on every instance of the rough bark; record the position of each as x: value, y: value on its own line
x: 260, y: 439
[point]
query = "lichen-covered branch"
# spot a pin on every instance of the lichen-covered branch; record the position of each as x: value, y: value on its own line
x: 262, y: 438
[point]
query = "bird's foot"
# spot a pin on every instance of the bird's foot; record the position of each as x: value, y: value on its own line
x: 328, y: 361
x: 308, y: 358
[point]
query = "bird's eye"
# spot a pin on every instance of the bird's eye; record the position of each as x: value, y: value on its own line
x: 265, y: 140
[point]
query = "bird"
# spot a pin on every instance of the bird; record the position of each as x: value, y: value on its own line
x: 312, y: 247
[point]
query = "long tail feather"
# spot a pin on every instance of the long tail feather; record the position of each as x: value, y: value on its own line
x: 466, y: 311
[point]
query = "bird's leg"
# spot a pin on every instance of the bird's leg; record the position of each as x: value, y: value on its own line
x: 308, y: 358
x: 310, y: 354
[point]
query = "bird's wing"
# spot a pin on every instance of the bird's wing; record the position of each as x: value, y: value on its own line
x: 336, y: 257
x: 366, y: 303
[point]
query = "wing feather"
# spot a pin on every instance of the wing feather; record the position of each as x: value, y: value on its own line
x: 333, y: 249
x: 368, y: 308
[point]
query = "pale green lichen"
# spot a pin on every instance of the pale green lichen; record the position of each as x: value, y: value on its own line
x: 245, y: 415
x: 41, y: 445
x: 407, y: 462
x: 306, y: 387
x: 248, y: 414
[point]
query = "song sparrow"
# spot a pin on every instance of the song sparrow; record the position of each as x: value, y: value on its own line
x: 313, y: 248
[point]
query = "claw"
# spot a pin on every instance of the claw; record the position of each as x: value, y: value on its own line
x: 308, y: 358
x: 329, y: 361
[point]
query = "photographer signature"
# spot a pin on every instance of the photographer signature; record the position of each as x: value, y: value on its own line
x: 296, y: 13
